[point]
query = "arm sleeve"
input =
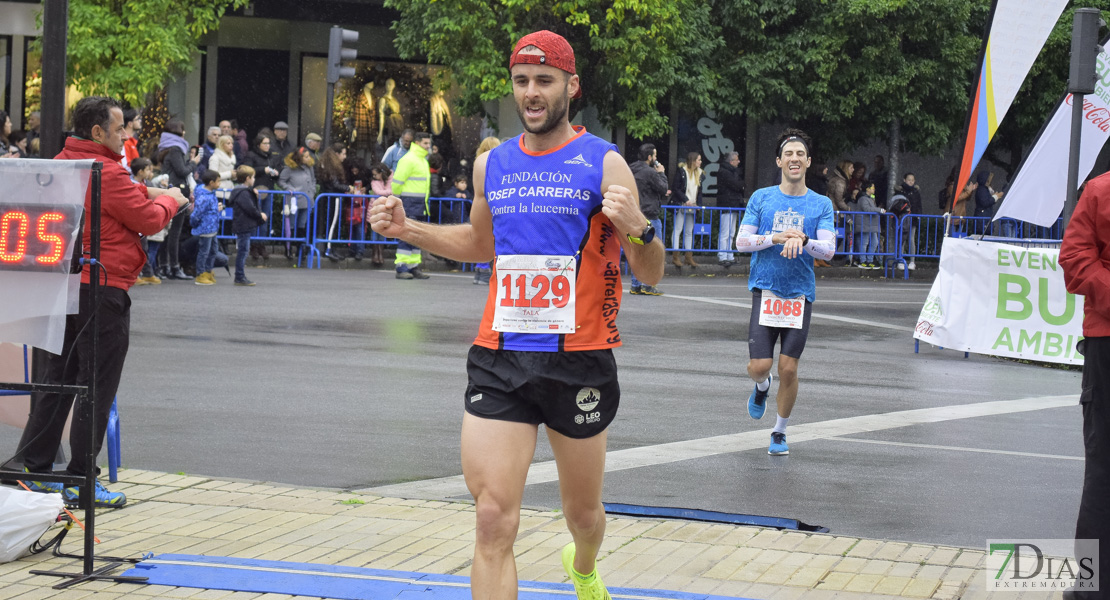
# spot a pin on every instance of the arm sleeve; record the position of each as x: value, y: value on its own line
x: 824, y: 247
x: 1084, y: 271
x: 748, y: 241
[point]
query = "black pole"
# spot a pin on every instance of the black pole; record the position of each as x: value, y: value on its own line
x: 88, y: 492
x: 1081, y: 81
x: 55, y: 27
x: 1073, y: 157
x: 327, y: 115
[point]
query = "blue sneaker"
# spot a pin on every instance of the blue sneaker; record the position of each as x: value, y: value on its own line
x: 45, y: 487
x: 757, y: 402
x: 102, y: 499
x: 778, y: 445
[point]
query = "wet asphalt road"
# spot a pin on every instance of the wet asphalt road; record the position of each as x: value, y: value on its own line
x: 352, y: 379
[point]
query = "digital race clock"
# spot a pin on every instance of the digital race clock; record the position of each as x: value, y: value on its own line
x: 37, y: 237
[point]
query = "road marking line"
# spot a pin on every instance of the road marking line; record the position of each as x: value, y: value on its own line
x: 816, y: 315
x: 957, y: 448
x: 660, y: 454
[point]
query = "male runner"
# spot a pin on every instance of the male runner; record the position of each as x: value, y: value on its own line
x: 785, y: 228
x: 554, y: 207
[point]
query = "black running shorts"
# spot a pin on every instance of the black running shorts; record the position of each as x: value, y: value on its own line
x: 761, y: 340
x: 573, y: 393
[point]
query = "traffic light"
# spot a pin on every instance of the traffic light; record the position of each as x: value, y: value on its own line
x: 338, y: 54
x: 1084, y: 50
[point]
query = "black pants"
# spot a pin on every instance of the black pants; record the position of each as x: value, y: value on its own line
x: 1094, y: 505
x: 168, y: 254
x: 43, y: 434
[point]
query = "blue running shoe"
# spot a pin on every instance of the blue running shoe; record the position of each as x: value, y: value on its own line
x: 45, y: 487
x: 757, y: 402
x: 102, y: 499
x: 778, y: 445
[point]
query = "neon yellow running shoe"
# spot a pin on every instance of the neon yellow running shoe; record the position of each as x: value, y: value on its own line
x: 588, y: 587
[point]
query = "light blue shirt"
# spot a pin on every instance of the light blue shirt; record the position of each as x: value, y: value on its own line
x: 393, y: 155
x: 771, y: 212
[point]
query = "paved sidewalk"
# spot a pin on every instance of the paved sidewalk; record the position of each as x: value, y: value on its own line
x: 195, y: 515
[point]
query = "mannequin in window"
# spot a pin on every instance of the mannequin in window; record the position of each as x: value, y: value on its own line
x: 390, y: 121
x: 364, y: 119
x: 440, y: 113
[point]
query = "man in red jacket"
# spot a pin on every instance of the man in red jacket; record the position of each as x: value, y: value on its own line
x: 1085, y: 258
x: 127, y: 210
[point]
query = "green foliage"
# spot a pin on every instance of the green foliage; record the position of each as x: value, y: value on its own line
x: 630, y: 54
x: 130, y: 48
x: 845, y: 69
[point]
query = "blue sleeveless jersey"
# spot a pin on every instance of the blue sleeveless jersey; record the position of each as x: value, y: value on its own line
x: 549, y: 203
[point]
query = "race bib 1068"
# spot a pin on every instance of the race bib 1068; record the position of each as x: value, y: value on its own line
x: 535, y: 294
x: 781, y: 312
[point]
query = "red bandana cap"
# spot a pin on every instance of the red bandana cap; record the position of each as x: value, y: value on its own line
x: 556, y: 52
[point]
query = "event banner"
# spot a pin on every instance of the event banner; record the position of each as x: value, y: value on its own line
x: 1038, y: 191
x: 41, y: 205
x: 1018, y: 31
x: 1002, y: 299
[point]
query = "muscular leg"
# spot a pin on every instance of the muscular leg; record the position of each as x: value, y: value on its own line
x: 495, y: 459
x: 581, y: 464
x: 788, y: 385
x: 760, y: 368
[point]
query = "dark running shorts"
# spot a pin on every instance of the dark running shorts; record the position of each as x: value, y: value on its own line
x: 573, y: 393
x: 761, y: 340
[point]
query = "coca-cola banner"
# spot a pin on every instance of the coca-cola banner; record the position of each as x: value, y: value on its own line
x: 1038, y: 191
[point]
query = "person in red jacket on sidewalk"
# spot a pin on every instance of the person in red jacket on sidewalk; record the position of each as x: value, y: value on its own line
x: 127, y: 210
x: 1085, y: 258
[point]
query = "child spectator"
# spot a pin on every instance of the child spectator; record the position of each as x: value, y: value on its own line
x: 381, y: 184
x: 867, y: 226
x: 247, y: 218
x: 461, y: 188
x: 142, y: 170
x: 461, y: 192
x: 206, y: 220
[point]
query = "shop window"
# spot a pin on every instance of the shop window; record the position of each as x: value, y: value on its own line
x: 382, y: 100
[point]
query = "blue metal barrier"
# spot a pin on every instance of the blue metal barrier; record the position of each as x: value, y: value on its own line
x: 704, y: 224
x: 280, y: 227
x: 851, y: 243
x: 342, y: 219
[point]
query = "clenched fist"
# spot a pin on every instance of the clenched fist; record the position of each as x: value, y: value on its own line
x: 387, y: 216
x: 623, y: 210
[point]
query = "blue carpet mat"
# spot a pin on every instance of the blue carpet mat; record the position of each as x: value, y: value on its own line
x: 712, y: 516
x: 345, y: 583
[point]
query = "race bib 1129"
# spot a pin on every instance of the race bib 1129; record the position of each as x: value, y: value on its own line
x: 535, y: 294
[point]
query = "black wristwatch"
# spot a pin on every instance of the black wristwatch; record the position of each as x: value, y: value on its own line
x: 646, y: 236
x: 805, y: 240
